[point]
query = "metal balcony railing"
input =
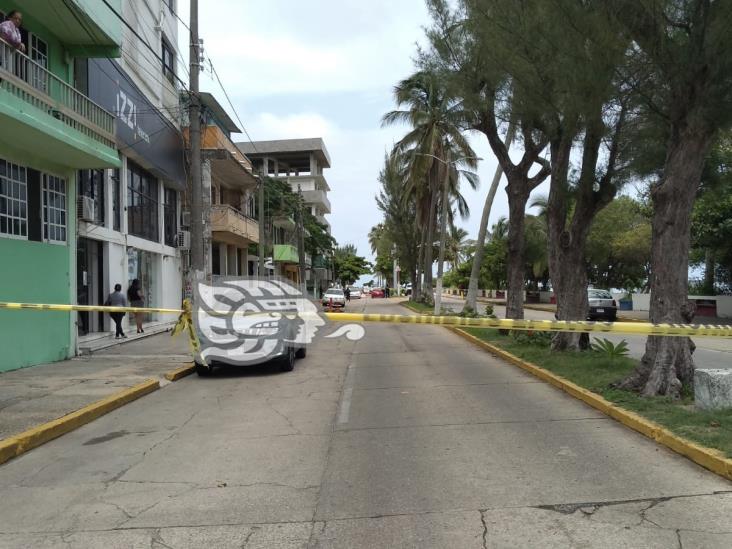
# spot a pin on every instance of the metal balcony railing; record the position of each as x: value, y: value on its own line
x: 37, y: 86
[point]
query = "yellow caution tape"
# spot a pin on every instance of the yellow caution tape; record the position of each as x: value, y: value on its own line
x: 637, y: 328
x: 87, y: 308
x: 185, y: 322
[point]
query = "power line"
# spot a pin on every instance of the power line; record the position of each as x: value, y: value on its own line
x: 243, y: 127
x: 159, y: 57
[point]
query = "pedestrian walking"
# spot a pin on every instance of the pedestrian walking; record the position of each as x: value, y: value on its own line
x: 136, y: 297
x: 347, y: 293
x: 386, y: 291
x: 10, y: 30
x: 117, y: 299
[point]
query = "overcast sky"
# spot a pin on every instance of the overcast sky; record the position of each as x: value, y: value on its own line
x: 325, y: 68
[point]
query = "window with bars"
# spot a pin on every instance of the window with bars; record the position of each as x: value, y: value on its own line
x: 13, y: 200
x: 54, y: 209
x: 170, y: 209
x: 91, y: 184
x: 168, y: 56
x: 142, y: 203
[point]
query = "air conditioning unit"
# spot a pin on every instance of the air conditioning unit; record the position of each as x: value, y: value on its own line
x: 86, y: 208
x: 186, y: 219
x: 183, y: 241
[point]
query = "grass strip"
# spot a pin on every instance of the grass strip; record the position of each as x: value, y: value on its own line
x: 596, y: 371
x: 417, y: 307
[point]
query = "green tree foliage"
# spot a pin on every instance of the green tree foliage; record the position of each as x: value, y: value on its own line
x: 711, y: 222
x: 348, y: 266
x: 280, y: 200
x: 619, y: 246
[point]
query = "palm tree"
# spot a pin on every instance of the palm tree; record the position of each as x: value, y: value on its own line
x: 437, y: 120
x: 455, y: 245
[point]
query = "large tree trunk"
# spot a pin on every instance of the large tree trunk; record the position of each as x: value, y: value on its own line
x: 566, y: 242
x: 709, y: 265
x: 471, y: 301
x: 667, y: 364
x: 518, y: 195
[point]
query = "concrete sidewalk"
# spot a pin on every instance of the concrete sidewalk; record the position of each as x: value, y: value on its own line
x: 38, y: 394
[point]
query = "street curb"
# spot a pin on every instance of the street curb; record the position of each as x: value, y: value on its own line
x: 18, y: 444
x: 708, y: 458
x: 175, y: 375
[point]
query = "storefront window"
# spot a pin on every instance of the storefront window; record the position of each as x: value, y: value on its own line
x: 142, y: 203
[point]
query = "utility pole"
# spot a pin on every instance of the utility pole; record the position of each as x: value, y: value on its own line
x: 197, y: 266
x: 301, y: 241
x: 262, y: 232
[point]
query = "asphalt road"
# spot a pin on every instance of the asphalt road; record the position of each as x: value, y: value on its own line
x: 710, y: 352
x: 410, y: 437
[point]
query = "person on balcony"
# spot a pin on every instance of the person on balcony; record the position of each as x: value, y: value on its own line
x: 10, y: 30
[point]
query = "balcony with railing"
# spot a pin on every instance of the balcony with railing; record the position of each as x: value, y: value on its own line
x: 285, y: 253
x: 233, y: 227
x: 36, y: 101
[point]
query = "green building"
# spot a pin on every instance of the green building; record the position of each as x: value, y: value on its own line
x: 48, y: 131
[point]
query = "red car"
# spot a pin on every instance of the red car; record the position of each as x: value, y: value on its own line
x: 377, y: 292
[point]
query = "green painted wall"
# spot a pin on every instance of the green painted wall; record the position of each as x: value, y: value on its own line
x: 38, y: 273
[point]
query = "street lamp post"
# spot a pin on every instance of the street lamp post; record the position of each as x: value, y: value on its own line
x: 443, y: 223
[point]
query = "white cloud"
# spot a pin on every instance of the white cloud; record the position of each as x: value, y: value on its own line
x: 283, y: 46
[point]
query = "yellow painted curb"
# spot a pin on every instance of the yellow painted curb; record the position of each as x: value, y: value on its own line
x: 175, y: 375
x: 706, y: 457
x: 27, y: 440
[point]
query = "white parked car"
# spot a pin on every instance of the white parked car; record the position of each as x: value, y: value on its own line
x: 355, y: 292
x: 334, y: 296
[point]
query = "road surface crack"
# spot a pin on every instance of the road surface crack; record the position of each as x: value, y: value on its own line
x: 485, y: 527
x: 283, y: 416
x: 156, y: 540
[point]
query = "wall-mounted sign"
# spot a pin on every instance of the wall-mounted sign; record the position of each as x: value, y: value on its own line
x: 140, y: 125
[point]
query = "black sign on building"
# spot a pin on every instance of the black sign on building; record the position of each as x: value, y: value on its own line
x: 140, y: 126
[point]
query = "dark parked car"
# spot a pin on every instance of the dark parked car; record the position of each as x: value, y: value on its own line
x: 602, y: 305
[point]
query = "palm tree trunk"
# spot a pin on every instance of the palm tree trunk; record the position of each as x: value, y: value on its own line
x: 471, y: 302
x: 417, y: 285
x: 430, y: 240
x: 443, y: 237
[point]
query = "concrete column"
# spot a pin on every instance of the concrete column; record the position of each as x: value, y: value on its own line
x: 276, y: 168
x: 231, y: 262
x: 265, y: 166
x: 223, y: 258
x: 244, y: 265
x: 313, y: 165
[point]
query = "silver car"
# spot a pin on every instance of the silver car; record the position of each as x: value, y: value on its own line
x: 355, y: 292
x: 602, y: 305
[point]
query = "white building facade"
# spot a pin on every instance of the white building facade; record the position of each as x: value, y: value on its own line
x: 129, y: 217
